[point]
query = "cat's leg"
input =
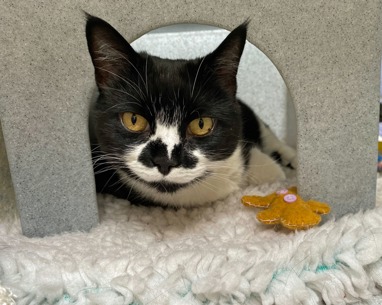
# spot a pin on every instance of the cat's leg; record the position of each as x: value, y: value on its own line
x: 262, y: 168
x: 265, y: 152
x: 275, y: 148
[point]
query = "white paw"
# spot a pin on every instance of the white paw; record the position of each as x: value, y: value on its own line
x: 288, y: 156
x: 263, y: 169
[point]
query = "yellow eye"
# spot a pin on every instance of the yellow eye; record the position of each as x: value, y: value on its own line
x: 134, y: 122
x: 200, y: 126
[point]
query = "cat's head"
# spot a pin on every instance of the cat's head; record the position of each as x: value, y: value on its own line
x: 165, y: 124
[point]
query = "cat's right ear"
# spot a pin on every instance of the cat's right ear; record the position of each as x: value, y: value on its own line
x: 226, y: 58
x: 110, y: 52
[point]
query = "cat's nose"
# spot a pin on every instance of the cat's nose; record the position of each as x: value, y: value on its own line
x: 164, y: 164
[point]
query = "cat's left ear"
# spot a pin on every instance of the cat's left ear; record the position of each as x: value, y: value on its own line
x: 226, y: 58
x: 110, y: 52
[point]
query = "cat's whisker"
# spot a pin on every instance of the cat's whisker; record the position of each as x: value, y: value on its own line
x: 235, y: 166
x: 105, y: 164
x: 126, y: 81
x: 107, y: 155
x: 121, y: 184
x: 175, y: 97
x: 134, y: 67
x: 121, y: 181
x: 94, y: 149
x: 223, y: 178
x: 146, y: 83
x: 123, y: 92
x: 189, y: 81
x: 98, y: 163
x: 205, y: 184
x: 105, y: 170
x: 197, y: 74
x: 103, y: 161
x: 202, y: 87
x: 217, y: 188
x: 107, y: 182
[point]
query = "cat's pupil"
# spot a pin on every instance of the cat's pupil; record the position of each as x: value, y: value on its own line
x: 201, y: 123
x: 133, y: 119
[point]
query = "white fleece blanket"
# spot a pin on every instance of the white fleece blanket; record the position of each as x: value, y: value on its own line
x: 218, y: 254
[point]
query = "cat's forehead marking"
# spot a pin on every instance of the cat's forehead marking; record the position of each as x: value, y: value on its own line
x: 169, y: 114
x: 168, y: 134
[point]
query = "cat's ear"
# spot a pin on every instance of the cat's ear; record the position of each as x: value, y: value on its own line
x: 226, y: 58
x: 110, y: 52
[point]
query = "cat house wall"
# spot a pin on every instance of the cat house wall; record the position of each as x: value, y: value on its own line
x: 7, y: 195
x: 328, y: 53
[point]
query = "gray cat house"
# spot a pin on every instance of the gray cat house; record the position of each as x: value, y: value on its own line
x: 328, y: 53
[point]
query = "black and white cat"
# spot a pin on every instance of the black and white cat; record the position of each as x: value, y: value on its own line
x: 172, y: 132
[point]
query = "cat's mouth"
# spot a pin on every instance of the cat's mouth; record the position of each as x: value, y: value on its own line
x: 169, y: 187
x: 164, y: 186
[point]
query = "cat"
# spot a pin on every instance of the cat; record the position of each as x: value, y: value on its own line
x: 173, y: 132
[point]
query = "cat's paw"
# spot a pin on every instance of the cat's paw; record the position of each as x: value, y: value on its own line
x: 288, y: 156
x: 263, y: 169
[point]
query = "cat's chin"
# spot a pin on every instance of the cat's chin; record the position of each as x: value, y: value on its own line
x: 170, y: 187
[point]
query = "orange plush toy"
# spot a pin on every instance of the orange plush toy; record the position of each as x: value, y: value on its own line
x: 287, y: 208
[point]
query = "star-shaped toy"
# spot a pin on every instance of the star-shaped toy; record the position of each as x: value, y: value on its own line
x: 287, y: 208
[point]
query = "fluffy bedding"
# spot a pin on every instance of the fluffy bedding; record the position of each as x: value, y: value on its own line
x: 217, y: 254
